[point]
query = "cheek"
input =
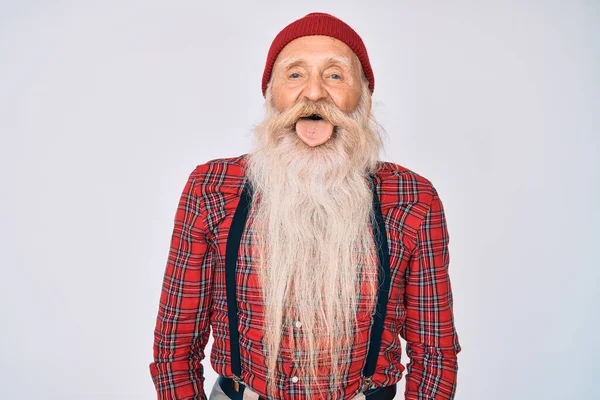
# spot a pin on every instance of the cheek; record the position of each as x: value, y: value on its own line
x: 353, y: 103
x: 282, y: 99
x: 347, y: 102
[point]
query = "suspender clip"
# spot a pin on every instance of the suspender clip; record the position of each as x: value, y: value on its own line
x: 367, y: 384
x: 236, y: 383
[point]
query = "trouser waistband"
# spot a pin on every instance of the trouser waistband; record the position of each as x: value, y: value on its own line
x: 378, y: 393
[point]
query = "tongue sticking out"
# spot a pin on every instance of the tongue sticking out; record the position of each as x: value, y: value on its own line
x: 314, y: 132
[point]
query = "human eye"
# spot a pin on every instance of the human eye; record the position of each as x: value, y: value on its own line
x: 335, y: 74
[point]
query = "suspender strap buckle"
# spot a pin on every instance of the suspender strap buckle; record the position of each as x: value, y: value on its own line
x: 236, y: 383
x: 367, y: 384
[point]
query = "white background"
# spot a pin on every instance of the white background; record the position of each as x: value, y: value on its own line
x: 106, y: 107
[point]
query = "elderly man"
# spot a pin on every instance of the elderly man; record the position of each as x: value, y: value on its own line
x: 309, y: 257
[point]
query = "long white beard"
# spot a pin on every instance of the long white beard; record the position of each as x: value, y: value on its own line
x: 313, y: 239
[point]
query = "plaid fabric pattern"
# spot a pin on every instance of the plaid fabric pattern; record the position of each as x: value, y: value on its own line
x: 193, y: 296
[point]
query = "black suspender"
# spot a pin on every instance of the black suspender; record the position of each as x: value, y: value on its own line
x: 383, y: 280
x: 231, y: 255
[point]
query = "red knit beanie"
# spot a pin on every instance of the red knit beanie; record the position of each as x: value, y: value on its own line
x: 318, y: 24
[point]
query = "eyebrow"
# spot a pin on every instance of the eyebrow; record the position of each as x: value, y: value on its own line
x: 291, y: 61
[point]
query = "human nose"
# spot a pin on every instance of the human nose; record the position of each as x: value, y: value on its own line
x: 314, y: 90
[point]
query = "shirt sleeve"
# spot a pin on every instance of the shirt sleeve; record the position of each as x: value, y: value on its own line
x: 183, y: 324
x: 431, y: 339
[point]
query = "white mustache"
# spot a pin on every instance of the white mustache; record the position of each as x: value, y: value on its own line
x: 326, y: 109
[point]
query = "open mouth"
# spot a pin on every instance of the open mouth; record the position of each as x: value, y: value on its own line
x: 314, y: 117
x: 314, y: 130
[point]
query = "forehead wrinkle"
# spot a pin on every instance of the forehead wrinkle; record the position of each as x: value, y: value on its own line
x: 345, y: 61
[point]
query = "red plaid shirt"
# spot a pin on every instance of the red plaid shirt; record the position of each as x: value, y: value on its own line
x: 193, y: 297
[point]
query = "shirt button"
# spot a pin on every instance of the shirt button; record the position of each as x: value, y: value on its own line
x: 298, y: 324
x: 295, y: 379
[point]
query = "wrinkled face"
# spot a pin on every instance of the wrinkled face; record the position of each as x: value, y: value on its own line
x: 316, y: 68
